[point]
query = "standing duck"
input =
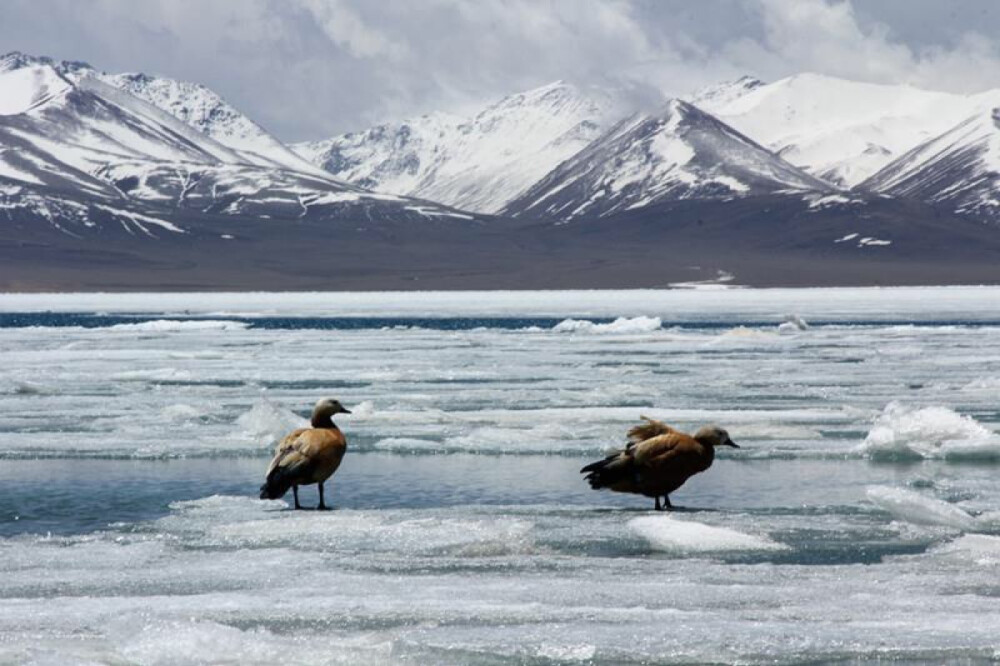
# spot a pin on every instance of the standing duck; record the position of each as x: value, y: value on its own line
x: 307, y: 455
x: 657, y: 461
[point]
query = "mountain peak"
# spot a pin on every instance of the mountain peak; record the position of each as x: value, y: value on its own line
x: 18, y: 59
x: 477, y: 163
x: 959, y: 168
x: 723, y: 93
x: 551, y: 95
x: 680, y: 153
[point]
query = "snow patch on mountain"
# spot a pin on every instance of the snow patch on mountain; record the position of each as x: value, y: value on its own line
x: 722, y: 94
x: 26, y: 88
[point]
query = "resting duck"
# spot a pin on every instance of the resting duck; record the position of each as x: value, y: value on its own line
x: 307, y: 455
x: 657, y: 461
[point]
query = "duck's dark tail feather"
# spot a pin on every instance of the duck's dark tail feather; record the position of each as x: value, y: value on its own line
x: 612, y: 470
x: 276, y: 485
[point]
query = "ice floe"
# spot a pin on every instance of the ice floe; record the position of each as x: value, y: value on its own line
x: 685, y: 536
x: 906, y: 432
x: 982, y: 549
x: 916, y: 508
x: 172, y: 325
x: 620, y: 325
x: 793, y: 324
x: 267, y: 423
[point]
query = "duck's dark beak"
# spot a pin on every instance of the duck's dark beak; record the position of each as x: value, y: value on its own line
x: 731, y: 443
x: 345, y: 410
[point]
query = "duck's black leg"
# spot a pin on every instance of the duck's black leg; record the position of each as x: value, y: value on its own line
x: 666, y: 501
x: 658, y: 507
x: 322, y: 505
x: 295, y: 491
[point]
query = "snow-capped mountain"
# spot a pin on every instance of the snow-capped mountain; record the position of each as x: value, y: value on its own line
x: 191, y: 103
x: 387, y: 158
x: 839, y: 130
x: 478, y: 163
x: 72, y: 146
x: 681, y: 153
x: 960, y: 168
x: 720, y: 94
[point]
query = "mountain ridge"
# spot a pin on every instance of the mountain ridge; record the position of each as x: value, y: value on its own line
x: 680, y: 153
x: 102, y: 188
x: 477, y: 163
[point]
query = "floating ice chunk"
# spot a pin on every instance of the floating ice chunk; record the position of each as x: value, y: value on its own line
x: 581, y: 652
x: 167, y: 325
x: 916, y: 508
x: 169, y: 642
x: 371, y: 532
x: 407, y: 445
x: 980, y: 548
x: 153, y: 375
x: 984, y: 383
x: 742, y: 332
x: 792, y: 324
x: 267, y: 423
x: 182, y: 412
x: 988, y: 521
x: 902, y: 432
x: 670, y: 534
x: 639, y: 324
x: 365, y: 408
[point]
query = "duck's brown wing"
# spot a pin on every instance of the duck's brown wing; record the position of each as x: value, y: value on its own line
x: 659, y: 448
x: 665, y: 462
x: 324, y: 448
x: 291, y: 466
x: 310, y: 457
x: 651, y: 428
x: 284, y: 447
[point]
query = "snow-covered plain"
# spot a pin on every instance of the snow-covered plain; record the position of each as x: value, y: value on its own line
x: 134, y: 430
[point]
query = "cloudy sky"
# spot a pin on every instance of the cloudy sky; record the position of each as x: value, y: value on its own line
x: 312, y: 68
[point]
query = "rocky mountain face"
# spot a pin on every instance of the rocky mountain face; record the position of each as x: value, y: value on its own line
x: 959, y: 169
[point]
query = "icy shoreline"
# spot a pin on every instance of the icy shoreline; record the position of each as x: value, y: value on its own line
x: 972, y: 302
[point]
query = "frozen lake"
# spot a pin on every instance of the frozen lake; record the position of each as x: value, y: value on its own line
x: 860, y: 523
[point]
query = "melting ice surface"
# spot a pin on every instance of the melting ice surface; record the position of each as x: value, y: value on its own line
x: 860, y: 523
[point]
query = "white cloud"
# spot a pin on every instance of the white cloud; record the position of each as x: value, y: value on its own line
x: 828, y: 37
x: 348, y: 29
x: 309, y: 68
